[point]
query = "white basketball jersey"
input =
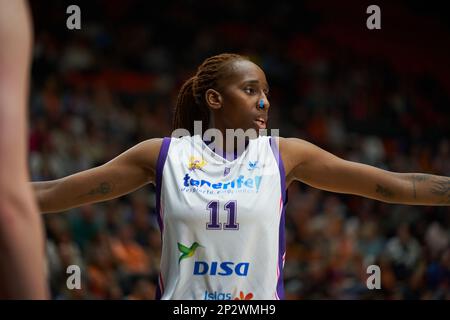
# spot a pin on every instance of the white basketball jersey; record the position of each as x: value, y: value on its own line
x: 222, y: 222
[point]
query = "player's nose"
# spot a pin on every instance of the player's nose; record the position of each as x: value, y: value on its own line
x: 263, y: 102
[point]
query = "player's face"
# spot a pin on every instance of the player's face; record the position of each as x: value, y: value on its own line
x: 242, y: 91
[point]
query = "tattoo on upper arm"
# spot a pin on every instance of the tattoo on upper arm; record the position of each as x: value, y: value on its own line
x: 385, y: 192
x: 103, y: 188
x: 418, y: 178
x: 440, y: 186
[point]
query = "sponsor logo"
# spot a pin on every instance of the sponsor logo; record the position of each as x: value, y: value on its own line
x: 242, y: 296
x: 187, y: 252
x: 216, y: 268
x: 252, y: 165
x: 196, y: 163
x: 240, y: 183
x: 217, y: 295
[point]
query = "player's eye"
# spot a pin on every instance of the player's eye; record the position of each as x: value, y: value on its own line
x: 249, y: 90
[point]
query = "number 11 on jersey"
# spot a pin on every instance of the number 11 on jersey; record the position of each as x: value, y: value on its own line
x: 214, y: 224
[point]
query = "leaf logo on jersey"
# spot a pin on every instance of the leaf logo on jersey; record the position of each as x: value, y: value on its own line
x: 187, y: 252
x: 243, y: 296
x: 196, y: 163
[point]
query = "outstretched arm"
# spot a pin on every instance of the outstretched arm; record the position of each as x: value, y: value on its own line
x: 320, y: 169
x: 124, y: 174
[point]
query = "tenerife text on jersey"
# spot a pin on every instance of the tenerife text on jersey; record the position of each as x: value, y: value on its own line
x: 240, y: 183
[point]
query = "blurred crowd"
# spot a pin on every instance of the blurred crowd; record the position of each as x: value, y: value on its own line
x: 97, y: 91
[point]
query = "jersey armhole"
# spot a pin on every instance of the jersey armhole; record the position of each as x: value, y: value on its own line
x: 159, y: 214
x: 279, y: 160
x: 159, y: 171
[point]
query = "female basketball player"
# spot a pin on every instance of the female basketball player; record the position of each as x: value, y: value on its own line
x: 221, y: 218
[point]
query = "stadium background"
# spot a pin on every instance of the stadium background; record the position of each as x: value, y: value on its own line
x: 379, y: 97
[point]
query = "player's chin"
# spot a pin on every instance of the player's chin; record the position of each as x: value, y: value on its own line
x: 255, y: 130
x: 259, y: 125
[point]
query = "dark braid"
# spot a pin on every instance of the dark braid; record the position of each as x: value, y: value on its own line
x: 191, y: 105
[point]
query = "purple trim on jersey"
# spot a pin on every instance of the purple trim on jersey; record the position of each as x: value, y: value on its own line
x: 159, y: 171
x: 282, y: 240
x: 158, y: 287
x: 158, y: 291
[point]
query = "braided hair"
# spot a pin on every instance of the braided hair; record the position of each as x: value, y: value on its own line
x: 191, y: 105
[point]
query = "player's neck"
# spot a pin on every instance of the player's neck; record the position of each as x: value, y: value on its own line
x: 229, y: 149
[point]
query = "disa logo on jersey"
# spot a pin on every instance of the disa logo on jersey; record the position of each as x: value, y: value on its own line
x: 187, y: 252
x: 215, y: 268
x: 226, y: 268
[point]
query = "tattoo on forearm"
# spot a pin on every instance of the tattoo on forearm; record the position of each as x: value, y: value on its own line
x: 418, y: 178
x: 440, y: 186
x: 385, y: 192
x: 103, y: 188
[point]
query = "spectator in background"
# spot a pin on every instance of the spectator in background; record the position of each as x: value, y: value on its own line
x: 404, y: 251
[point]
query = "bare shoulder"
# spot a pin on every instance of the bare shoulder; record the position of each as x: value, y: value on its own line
x: 144, y: 155
x: 147, y: 152
x: 294, y: 152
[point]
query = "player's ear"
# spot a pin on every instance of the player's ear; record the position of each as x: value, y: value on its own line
x: 213, y: 98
